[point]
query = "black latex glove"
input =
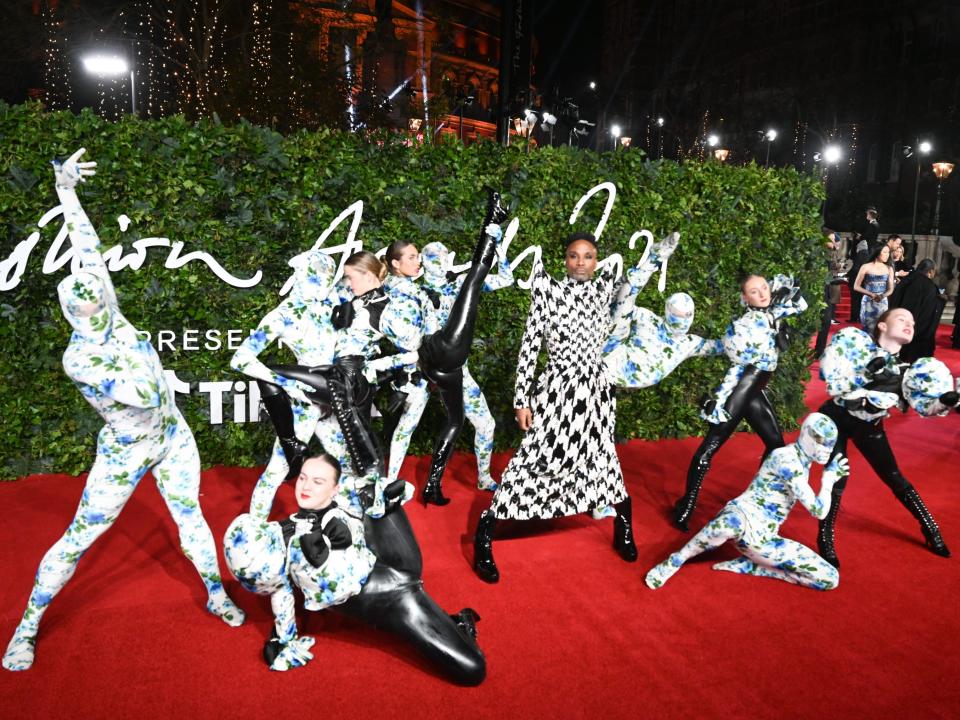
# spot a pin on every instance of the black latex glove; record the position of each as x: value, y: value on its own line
x: 782, y: 294
x: 272, y: 648
x: 338, y: 533
x: 950, y: 399
x: 882, y: 377
x: 434, y: 297
x: 314, y: 548
x: 342, y: 315
x: 784, y: 336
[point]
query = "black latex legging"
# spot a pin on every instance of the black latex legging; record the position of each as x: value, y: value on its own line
x: 393, y: 599
x: 341, y: 386
x: 746, y: 402
x: 870, y: 439
x: 444, y: 353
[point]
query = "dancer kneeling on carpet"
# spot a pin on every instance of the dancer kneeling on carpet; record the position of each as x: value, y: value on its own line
x: 120, y: 375
x: 864, y: 381
x: 753, y: 520
x: 324, y: 552
x: 567, y: 462
x: 753, y: 343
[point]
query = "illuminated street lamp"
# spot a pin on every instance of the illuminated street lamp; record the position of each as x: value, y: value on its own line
x: 769, y: 136
x: 625, y: 141
x: 713, y: 140
x: 112, y: 66
x: 721, y: 154
x: 615, y: 132
x: 924, y: 147
x: 942, y: 170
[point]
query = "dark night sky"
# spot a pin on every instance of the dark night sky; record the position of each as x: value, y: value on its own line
x: 569, y: 36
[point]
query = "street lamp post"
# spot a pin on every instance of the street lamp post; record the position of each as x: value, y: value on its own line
x: 830, y: 155
x: 923, y: 148
x: 660, y: 122
x: 112, y: 65
x: 770, y: 135
x: 942, y: 170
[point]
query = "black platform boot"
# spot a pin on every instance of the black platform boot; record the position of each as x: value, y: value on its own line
x: 685, y: 506
x: 277, y: 404
x: 931, y: 532
x: 433, y: 490
x: 623, y: 531
x: 825, y: 536
x: 483, y: 563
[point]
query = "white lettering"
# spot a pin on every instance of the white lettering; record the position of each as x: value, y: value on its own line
x: 611, y: 197
x: 212, y: 338
x: 216, y: 391
x: 190, y: 339
x: 234, y: 338
x: 165, y: 337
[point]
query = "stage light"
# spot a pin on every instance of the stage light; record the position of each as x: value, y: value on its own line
x: 926, y: 147
x: 713, y: 140
x: 770, y: 135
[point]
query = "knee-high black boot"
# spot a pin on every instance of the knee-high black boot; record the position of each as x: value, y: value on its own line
x: 623, y: 531
x: 826, y: 532
x: 277, y: 405
x: 685, y: 506
x: 483, y: 563
x: 931, y: 532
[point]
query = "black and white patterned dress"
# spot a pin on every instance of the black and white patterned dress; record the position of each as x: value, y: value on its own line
x: 567, y: 462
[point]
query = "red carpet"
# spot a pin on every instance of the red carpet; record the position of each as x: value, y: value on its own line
x: 570, y: 631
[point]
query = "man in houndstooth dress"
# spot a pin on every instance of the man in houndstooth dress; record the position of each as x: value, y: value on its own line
x: 567, y: 462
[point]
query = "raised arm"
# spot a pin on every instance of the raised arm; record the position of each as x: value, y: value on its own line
x: 83, y: 237
x: 638, y: 276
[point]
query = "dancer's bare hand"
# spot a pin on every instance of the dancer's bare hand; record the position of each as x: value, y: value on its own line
x: 524, y: 418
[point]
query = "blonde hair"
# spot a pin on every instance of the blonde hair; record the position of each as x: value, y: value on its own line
x: 366, y: 260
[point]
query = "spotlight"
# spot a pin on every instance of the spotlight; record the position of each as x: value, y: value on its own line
x: 770, y: 135
x: 925, y: 147
x: 713, y: 140
x: 105, y: 65
x: 548, y: 119
x: 593, y: 85
x: 660, y: 121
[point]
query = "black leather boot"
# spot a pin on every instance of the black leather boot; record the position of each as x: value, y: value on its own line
x: 277, y: 404
x: 483, y: 563
x: 685, y: 506
x: 623, y: 531
x: 931, y: 532
x: 433, y: 490
x: 466, y: 621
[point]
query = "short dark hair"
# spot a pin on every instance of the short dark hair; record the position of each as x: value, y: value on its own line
x: 580, y: 235
x: 925, y: 266
x: 894, y: 236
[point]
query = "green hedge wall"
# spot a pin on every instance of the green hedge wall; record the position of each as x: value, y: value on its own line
x: 252, y: 198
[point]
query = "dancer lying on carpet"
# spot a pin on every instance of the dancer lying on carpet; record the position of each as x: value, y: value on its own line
x: 324, y: 552
x: 120, y: 375
x: 302, y: 322
x: 753, y: 520
x: 864, y: 381
x: 441, y: 288
x: 566, y: 463
x: 753, y: 343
